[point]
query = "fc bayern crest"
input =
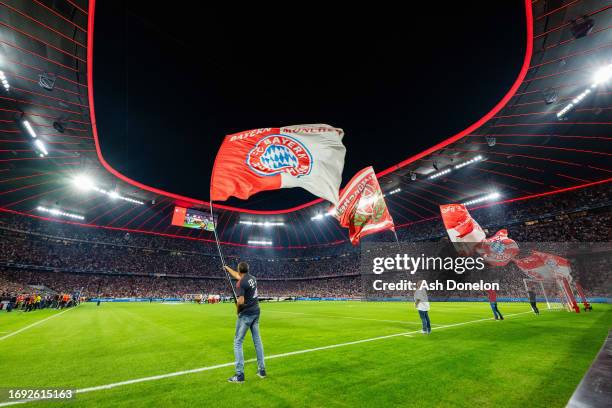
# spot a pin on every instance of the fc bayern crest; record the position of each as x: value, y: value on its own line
x: 276, y: 154
x: 370, y: 202
x: 498, y: 246
x: 552, y: 263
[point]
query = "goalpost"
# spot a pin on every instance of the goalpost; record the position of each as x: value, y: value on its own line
x: 557, y: 293
x: 193, y: 297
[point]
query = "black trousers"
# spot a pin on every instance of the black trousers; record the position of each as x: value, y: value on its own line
x: 534, y: 307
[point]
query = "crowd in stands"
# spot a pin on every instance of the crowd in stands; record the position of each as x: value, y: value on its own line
x: 582, y: 216
x: 577, y: 227
x: 594, y: 274
x: 96, y: 262
x: 108, y: 285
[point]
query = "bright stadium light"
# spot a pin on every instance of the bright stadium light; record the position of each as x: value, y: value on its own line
x: 489, y: 197
x: 320, y: 216
x: 259, y: 242
x: 41, y: 147
x: 4, y: 81
x: 116, y: 196
x: 456, y: 167
x: 85, y: 183
x: 602, y: 75
x: 262, y: 224
x: 29, y: 128
x: 397, y: 190
x: 465, y: 163
x: 438, y: 174
x: 60, y: 213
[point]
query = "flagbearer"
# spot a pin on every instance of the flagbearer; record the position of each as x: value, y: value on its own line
x: 247, y: 305
x: 532, y: 300
x: 492, y: 295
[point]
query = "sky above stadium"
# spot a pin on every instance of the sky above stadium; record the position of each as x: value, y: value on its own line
x: 170, y: 83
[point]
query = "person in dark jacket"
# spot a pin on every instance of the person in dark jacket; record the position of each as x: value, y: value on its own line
x: 532, y: 301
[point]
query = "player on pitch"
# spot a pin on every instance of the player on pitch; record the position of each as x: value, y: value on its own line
x: 247, y: 305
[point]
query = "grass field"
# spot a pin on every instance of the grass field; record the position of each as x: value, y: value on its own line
x: 468, y: 360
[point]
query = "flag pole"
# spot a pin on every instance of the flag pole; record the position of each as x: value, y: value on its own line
x: 396, y: 238
x: 221, y: 253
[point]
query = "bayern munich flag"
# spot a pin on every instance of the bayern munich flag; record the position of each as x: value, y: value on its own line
x: 543, y: 266
x: 362, y: 208
x: 499, y: 249
x: 307, y: 156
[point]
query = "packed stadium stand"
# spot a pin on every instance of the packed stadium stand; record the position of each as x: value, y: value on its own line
x: 76, y: 228
x: 535, y: 164
x: 96, y: 262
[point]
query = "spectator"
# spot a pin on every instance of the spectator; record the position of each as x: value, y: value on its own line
x: 421, y: 302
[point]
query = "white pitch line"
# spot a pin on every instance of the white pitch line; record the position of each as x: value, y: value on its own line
x: 344, y: 317
x: 231, y: 364
x: 33, y: 324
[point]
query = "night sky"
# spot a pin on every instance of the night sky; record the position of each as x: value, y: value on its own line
x: 170, y: 83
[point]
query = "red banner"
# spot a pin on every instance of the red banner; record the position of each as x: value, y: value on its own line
x: 362, y: 208
x: 462, y: 229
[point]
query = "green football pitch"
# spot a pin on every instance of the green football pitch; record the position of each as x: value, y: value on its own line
x: 328, y: 354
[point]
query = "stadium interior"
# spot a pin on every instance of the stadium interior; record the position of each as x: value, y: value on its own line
x: 530, y: 164
x: 536, y: 164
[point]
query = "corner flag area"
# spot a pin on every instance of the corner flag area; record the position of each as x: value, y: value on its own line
x: 333, y: 354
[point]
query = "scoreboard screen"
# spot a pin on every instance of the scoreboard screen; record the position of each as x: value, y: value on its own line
x: 190, y: 218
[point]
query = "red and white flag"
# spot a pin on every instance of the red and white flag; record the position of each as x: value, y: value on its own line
x: 534, y: 266
x: 462, y: 229
x: 307, y: 156
x: 543, y: 266
x: 362, y: 208
x: 559, y: 266
x: 498, y: 249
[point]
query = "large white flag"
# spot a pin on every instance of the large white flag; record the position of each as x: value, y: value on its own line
x: 306, y: 156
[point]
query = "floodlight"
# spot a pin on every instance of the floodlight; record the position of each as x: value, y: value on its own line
x: 83, y: 182
x: 60, y: 213
x: 41, y: 147
x: 259, y: 242
x: 602, y: 75
x: 489, y: 197
x: 29, y: 128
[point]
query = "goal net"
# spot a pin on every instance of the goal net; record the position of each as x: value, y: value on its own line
x: 193, y: 297
x: 550, y: 291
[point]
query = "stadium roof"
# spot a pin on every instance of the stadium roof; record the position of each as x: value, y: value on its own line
x: 549, y: 133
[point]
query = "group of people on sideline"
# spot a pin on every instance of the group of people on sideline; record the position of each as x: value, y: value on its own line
x: 28, y: 302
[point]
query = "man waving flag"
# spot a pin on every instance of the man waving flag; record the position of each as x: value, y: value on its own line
x: 362, y: 208
x: 307, y: 156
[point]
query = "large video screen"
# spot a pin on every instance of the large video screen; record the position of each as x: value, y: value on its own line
x: 190, y: 218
